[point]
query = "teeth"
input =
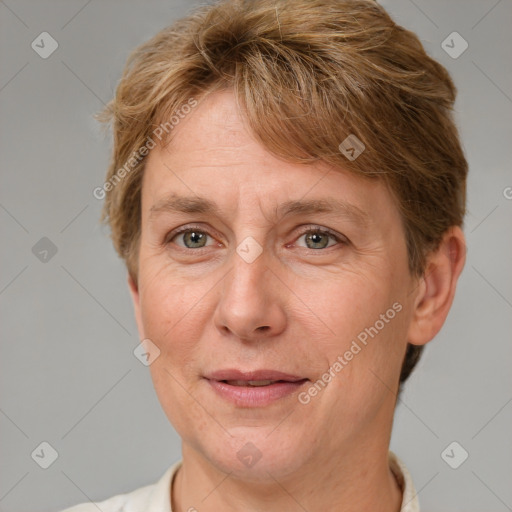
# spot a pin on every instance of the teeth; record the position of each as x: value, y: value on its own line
x: 250, y: 382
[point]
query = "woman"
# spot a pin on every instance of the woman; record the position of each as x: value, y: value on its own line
x: 287, y: 190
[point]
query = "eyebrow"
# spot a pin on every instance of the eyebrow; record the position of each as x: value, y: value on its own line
x: 193, y: 204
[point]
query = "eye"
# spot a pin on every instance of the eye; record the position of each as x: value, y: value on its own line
x: 319, y: 238
x: 189, y: 238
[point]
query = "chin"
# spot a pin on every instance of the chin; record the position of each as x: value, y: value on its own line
x: 259, y: 454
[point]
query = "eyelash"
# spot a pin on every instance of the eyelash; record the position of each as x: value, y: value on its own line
x: 311, y: 229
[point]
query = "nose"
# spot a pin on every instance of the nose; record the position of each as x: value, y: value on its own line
x: 251, y: 306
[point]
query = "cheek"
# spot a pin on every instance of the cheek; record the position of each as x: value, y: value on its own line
x: 170, y: 311
x: 368, y: 317
x: 352, y: 303
x: 172, y: 315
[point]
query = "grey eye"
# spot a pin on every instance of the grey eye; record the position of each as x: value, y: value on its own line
x: 318, y: 239
x: 192, y: 239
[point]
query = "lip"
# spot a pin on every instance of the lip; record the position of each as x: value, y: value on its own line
x: 252, y: 396
x: 234, y: 374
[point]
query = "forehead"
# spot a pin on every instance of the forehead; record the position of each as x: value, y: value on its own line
x: 212, y: 158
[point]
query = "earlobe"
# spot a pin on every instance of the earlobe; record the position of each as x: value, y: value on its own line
x: 436, y: 288
x: 134, y: 292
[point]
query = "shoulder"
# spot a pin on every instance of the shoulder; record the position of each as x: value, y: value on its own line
x: 119, y: 503
x: 150, y: 497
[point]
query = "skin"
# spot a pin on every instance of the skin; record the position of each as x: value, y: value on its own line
x: 296, y: 308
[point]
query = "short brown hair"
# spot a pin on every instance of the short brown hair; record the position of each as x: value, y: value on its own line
x: 308, y: 73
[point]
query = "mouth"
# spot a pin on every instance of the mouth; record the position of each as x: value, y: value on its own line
x: 252, y: 383
x: 254, y: 389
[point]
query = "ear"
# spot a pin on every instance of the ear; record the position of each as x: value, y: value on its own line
x: 134, y: 292
x: 436, y: 288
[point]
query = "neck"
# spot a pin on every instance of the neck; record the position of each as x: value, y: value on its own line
x: 351, y: 483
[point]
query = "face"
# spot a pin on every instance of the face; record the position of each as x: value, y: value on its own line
x: 278, y: 295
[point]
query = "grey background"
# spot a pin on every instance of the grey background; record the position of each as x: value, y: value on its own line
x: 68, y: 375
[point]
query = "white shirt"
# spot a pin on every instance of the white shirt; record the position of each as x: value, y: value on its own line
x: 157, y: 497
